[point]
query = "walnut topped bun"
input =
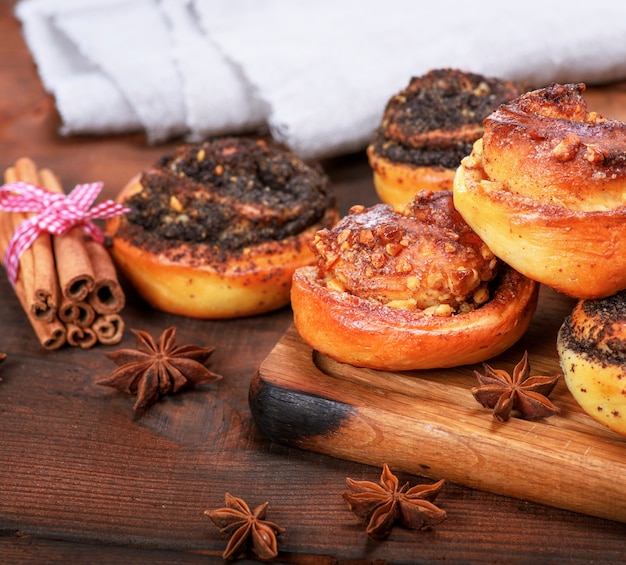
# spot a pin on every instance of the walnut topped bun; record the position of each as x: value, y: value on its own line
x: 409, y: 288
x: 544, y: 189
x: 215, y: 230
x: 428, y: 127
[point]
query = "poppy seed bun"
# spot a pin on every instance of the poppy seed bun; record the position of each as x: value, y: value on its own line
x: 428, y: 127
x: 592, y: 350
x: 216, y: 230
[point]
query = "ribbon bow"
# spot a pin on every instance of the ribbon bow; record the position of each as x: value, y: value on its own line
x: 54, y: 213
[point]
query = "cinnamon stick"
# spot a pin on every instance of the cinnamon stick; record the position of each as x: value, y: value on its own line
x: 81, y: 337
x: 80, y: 313
x: 109, y: 328
x: 73, y: 266
x: 37, y: 268
x: 107, y: 296
x: 50, y: 333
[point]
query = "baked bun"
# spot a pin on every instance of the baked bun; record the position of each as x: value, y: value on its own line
x: 216, y: 230
x: 592, y: 350
x: 544, y: 188
x: 427, y: 129
x: 409, y: 288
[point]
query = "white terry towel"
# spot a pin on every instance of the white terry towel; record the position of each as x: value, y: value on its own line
x: 318, y: 74
x: 129, y: 43
x: 79, y: 86
x: 219, y: 99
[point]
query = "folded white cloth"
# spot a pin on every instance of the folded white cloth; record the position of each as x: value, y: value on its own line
x: 317, y: 74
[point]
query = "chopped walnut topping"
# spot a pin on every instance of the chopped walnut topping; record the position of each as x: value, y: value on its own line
x: 175, y: 204
x: 356, y: 209
x: 343, y: 236
x: 421, y: 256
x: 567, y: 147
x: 404, y: 265
x: 596, y: 154
x: 378, y: 260
x: 393, y: 249
x: 442, y: 310
x: 366, y: 237
x: 481, y: 295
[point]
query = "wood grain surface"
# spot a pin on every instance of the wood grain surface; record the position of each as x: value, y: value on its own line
x: 82, y: 480
x: 428, y: 423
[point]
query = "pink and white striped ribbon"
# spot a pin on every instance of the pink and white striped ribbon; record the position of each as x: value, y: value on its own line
x: 54, y: 213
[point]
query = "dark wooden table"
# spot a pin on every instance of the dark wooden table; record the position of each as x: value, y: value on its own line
x: 84, y: 481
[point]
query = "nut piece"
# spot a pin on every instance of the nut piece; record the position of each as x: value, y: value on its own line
x: 567, y: 148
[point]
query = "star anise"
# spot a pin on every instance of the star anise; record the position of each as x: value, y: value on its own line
x: 158, y: 368
x: 521, y: 392
x: 249, y: 531
x: 382, y: 505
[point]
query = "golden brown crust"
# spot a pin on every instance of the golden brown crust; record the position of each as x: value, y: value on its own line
x: 205, y: 280
x: 555, y: 215
x: 592, y: 350
x: 397, y: 183
x: 409, y: 288
x: 546, y: 145
x: 367, y: 334
x: 428, y: 127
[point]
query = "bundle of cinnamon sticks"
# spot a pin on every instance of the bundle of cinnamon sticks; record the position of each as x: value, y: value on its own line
x: 67, y: 284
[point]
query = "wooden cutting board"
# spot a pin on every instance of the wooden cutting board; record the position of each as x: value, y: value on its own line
x: 428, y: 423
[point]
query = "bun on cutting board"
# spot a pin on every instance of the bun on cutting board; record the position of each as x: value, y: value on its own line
x: 216, y: 230
x: 544, y: 188
x: 592, y: 350
x: 428, y: 127
x: 409, y: 288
